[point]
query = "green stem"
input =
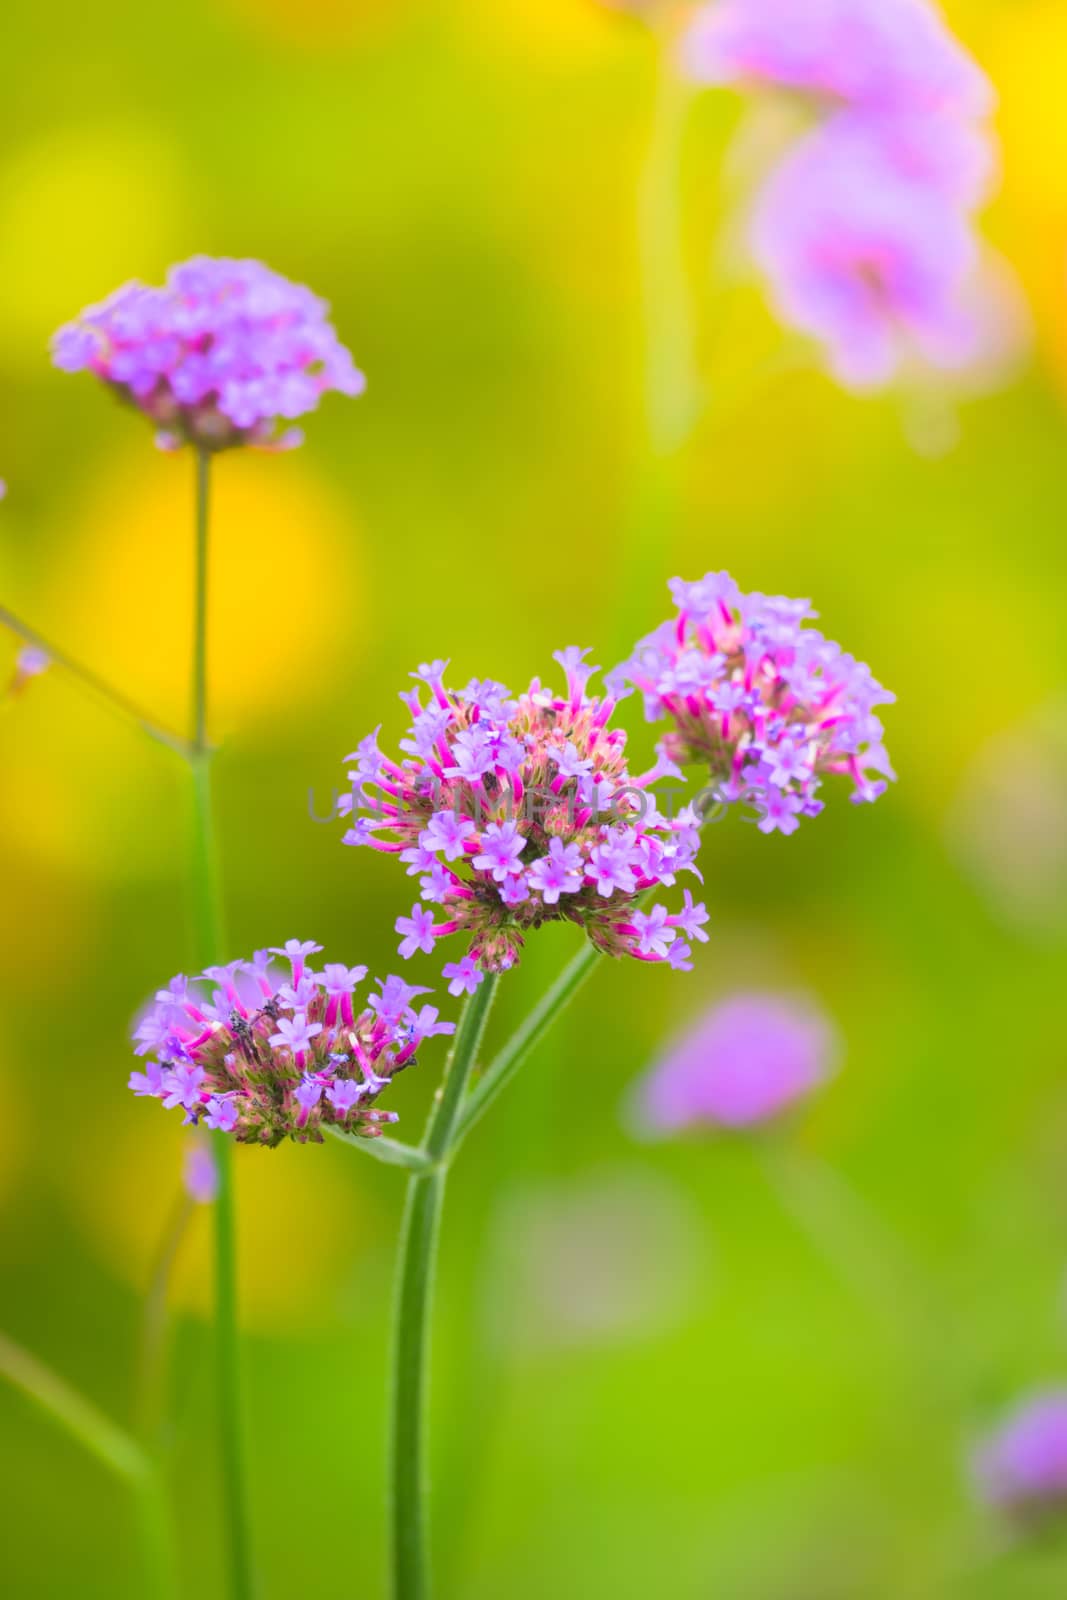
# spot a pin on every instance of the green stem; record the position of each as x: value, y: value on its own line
x: 389, y: 1151
x: 150, y: 1404
x: 505, y: 1065
x: 411, y: 1329
x: 99, y: 687
x: 671, y: 390
x: 672, y: 387
x: 210, y: 939
x: 111, y: 1446
x: 203, y: 511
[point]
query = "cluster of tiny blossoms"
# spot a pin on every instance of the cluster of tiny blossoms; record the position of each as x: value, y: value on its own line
x: 864, y: 230
x: 767, y: 704
x: 218, y: 357
x: 517, y: 812
x: 264, y: 1056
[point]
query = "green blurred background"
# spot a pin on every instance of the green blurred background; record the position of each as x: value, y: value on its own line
x: 651, y: 1376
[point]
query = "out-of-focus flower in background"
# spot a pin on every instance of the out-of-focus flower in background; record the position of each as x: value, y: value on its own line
x: 745, y: 1062
x: 223, y: 355
x: 200, y: 1173
x: 610, y: 1255
x: 1022, y: 1467
x: 864, y: 229
x: 863, y: 254
x: 29, y: 664
x: 883, y: 54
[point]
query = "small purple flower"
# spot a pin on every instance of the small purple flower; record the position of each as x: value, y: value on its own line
x: 308, y: 1093
x: 578, y: 671
x: 779, y: 811
x: 220, y: 1114
x: 338, y: 979
x: 744, y: 1062
x: 678, y: 956
x: 395, y: 998
x: 418, y: 931
x: 501, y: 846
x: 343, y: 1095
x: 295, y: 1033
x: 611, y: 867
x: 1022, y: 1467
x: 560, y: 872
x: 465, y: 977
x: 150, y: 1082
x: 297, y: 952
x: 654, y: 933
x: 445, y: 831
x: 691, y: 918
x: 569, y: 764
x: 437, y: 885
x: 182, y: 1087
x: 426, y: 1023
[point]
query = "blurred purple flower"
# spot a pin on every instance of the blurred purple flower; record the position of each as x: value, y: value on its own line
x: 889, y: 54
x: 200, y: 1175
x: 1022, y: 1467
x: 224, y: 354
x: 865, y: 257
x: 742, y: 1063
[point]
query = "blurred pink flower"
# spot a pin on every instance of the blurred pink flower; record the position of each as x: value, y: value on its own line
x: 890, y: 54
x: 866, y: 254
x: 742, y: 1063
x: 200, y: 1175
x: 1022, y: 1467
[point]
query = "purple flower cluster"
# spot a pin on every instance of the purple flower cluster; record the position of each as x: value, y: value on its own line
x: 265, y: 1055
x: 864, y: 230
x: 768, y: 705
x: 1022, y: 1468
x: 224, y: 354
x: 515, y: 812
x: 743, y: 1063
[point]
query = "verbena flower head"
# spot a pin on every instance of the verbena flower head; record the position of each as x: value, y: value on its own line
x: 744, y: 1062
x: 1022, y: 1467
x: 267, y: 1053
x: 866, y: 249
x: 768, y: 704
x: 225, y: 353
x: 513, y: 812
x: 884, y: 54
